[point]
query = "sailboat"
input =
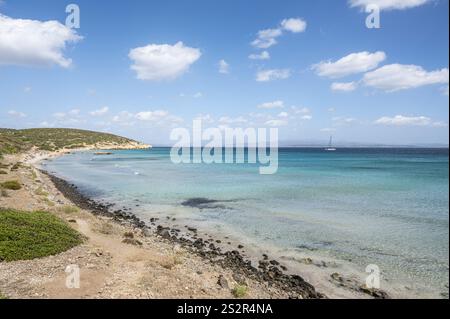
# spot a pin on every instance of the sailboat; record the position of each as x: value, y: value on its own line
x: 330, y: 147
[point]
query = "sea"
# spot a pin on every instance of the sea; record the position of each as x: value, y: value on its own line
x: 351, y: 208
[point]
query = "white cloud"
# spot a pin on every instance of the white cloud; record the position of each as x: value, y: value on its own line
x: 388, y: 4
x: 274, y: 74
x: 268, y: 37
x: 15, y: 113
x: 283, y: 114
x: 151, y: 115
x: 343, y: 121
x: 276, y: 123
x: 197, y: 95
x: 306, y: 117
x: 262, y: 56
x: 400, y: 120
x: 300, y: 110
x: 100, y: 112
x: 395, y: 77
x: 229, y: 120
x: 344, y: 86
x: 294, y: 25
x: 445, y: 90
x: 156, y: 62
x: 62, y: 115
x: 350, y: 64
x: 224, y: 67
x: 34, y: 43
x: 271, y: 105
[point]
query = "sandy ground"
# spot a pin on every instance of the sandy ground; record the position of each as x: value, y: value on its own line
x: 109, y: 268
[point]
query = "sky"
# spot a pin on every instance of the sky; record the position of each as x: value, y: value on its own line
x: 311, y: 68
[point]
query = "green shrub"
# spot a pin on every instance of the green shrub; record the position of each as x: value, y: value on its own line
x: 29, y: 235
x: 12, y: 185
x: 239, y: 291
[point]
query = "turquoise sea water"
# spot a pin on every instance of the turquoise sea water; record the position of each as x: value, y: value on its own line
x: 388, y: 207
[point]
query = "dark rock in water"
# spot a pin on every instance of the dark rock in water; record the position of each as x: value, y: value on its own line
x: 203, y: 203
x: 240, y: 246
x: 223, y: 282
x: 274, y: 262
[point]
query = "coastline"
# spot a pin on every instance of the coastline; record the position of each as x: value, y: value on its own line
x: 267, y: 280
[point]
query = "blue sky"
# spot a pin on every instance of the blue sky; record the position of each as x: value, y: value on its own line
x: 141, y: 68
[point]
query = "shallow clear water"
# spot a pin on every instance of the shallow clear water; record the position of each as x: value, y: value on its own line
x: 388, y: 207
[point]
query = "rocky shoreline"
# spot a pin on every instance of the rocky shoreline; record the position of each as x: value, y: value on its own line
x: 268, y: 271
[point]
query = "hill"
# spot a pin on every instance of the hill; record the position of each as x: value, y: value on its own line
x: 53, y: 139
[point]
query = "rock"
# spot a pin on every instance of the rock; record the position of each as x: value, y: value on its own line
x: 165, y: 234
x: 274, y: 262
x: 132, y: 241
x: 71, y: 221
x: 223, y: 282
x: 128, y: 235
x: 376, y: 293
x: 239, y: 279
x: 240, y: 246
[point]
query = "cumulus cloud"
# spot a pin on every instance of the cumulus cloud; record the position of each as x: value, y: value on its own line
x: 34, y: 43
x: 156, y: 62
x: 344, y: 86
x: 388, y: 4
x: 268, y: 37
x: 224, y: 67
x: 100, y: 112
x: 271, y: 105
x: 158, y: 117
x: 294, y: 25
x: 271, y: 75
x: 396, y: 77
x: 17, y: 114
x: 401, y: 120
x: 262, y: 56
x: 351, y: 64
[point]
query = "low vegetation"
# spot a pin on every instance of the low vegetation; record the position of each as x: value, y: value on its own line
x: 2, y: 172
x: 29, y: 235
x: 12, y: 185
x: 240, y: 291
x: 52, y: 139
x: 68, y: 209
x: 2, y: 296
